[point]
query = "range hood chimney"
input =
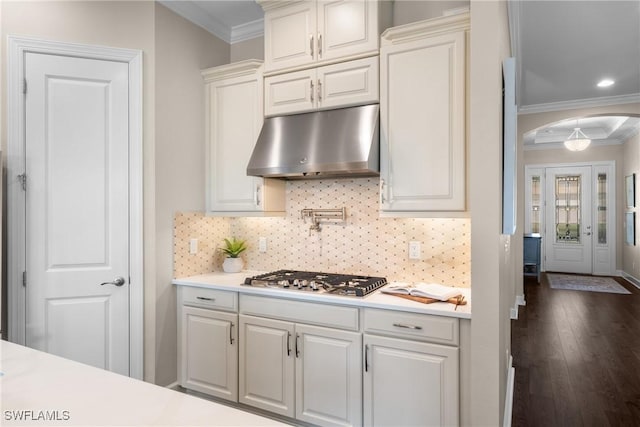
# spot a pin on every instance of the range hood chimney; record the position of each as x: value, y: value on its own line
x: 337, y: 143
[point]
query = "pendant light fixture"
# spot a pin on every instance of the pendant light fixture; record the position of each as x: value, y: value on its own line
x: 577, y: 141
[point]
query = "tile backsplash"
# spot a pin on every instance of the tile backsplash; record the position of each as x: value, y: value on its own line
x: 365, y: 244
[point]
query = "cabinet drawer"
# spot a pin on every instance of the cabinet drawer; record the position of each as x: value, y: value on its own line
x: 209, y: 298
x: 332, y: 316
x: 422, y: 327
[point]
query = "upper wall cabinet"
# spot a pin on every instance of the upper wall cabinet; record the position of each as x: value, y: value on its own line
x: 302, y: 34
x: 338, y: 85
x: 423, y: 117
x: 234, y: 114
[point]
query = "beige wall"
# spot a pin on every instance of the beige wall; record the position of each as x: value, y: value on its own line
x: 248, y: 49
x: 182, y: 50
x: 491, y: 258
x: 631, y: 164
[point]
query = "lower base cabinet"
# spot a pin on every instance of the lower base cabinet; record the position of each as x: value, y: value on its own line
x: 310, y: 373
x: 209, y: 352
x: 409, y: 383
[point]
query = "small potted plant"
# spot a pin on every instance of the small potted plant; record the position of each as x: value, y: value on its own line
x: 232, y: 249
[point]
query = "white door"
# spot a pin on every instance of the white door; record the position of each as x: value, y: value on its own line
x: 77, y: 210
x: 568, y: 220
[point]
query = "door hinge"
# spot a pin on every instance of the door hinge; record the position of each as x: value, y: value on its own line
x: 23, y: 181
x: 24, y: 86
x: 24, y: 278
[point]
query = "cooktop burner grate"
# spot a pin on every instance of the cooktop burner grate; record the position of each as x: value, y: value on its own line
x: 337, y: 284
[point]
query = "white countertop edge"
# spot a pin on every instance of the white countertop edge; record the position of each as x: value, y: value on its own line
x: 233, y: 282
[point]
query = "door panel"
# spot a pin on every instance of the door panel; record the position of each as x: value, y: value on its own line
x: 77, y: 209
x: 568, y: 220
x: 347, y: 27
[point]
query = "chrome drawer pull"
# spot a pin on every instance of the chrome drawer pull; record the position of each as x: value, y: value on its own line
x: 402, y: 325
x: 206, y: 299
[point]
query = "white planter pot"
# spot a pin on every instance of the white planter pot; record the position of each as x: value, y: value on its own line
x: 232, y: 265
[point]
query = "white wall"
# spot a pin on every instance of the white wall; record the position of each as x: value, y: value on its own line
x: 492, y: 260
x: 248, y: 49
x: 631, y: 164
x: 406, y: 11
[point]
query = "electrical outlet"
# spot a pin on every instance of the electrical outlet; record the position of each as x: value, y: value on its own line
x: 193, y: 246
x: 262, y: 244
x: 414, y: 250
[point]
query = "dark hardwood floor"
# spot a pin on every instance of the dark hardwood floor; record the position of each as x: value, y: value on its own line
x: 577, y: 357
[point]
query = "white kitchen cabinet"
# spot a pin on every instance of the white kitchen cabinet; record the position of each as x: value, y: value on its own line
x: 332, y: 86
x: 234, y: 115
x: 423, y: 116
x: 409, y: 383
x: 411, y: 369
x: 308, y: 372
x: 308, y: 33
x: 208, y: 340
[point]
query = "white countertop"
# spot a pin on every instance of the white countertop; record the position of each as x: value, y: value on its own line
x: 233, y: 282
x: 31, y: 380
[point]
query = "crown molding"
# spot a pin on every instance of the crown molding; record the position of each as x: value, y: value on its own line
x: 235, y: 69
x: 579, y: 103
x: 198, y: 16
x: 247, y: 31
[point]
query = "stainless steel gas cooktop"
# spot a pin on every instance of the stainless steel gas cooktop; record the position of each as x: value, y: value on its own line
x: 307, y: 281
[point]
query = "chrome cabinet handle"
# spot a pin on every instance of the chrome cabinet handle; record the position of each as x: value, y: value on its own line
x: 319, y: 44
x: 288, y: 343
x: 119, y: 281
x: 258, y: 201
x: 319, y: 90
x: 311, y: 93
x: 297, y: 350
x: 206, y: 299
x: 231, y: 334
x: 382, y: 199
x: 311, y: 44
x: 403, y: 325
x: 366, y: 358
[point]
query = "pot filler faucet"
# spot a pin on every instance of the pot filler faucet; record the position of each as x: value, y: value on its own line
x: 322, y: 215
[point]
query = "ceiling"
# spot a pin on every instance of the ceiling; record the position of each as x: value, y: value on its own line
x: 563, y: 49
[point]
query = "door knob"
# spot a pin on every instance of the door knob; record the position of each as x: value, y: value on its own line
x: 119, y: 281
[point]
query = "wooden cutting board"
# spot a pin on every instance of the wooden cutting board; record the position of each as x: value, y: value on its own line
x: 426, y: 300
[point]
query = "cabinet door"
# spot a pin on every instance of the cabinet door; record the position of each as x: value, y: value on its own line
x: 422, y: 139
x: 409, y: 383
x: 328, y: 376
x: 234, y: 121
x: 267, y: 364
x: 348, y: 83
x: 291, y: 93
x: 209, y: 352
x: 290, y: 36
x: 347, y: 27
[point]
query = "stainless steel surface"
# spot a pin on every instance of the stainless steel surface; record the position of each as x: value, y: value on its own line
x: 319, y: 45
x: 321, y: 215
x: 311, y: 44
x: 119, y: 281
x: 343, y: 142
x: 402, y: 325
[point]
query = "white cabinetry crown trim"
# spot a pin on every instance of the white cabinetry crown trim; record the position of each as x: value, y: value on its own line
x: 429, y: 27
x: 236, y: 69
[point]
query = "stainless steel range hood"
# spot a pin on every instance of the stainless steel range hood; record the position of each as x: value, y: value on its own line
x: 337, y: 143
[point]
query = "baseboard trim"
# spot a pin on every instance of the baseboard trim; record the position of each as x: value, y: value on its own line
x: 635, y: 281
x: 514, y: 310
x: 173, y: 386
x: 508, y: 399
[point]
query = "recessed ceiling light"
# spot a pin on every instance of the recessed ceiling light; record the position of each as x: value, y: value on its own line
x: 605, y: 83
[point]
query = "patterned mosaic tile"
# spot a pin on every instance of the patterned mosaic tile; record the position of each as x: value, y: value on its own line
x: 364, y: 244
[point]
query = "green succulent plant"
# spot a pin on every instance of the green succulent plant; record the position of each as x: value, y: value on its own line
x: 234, y: 247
